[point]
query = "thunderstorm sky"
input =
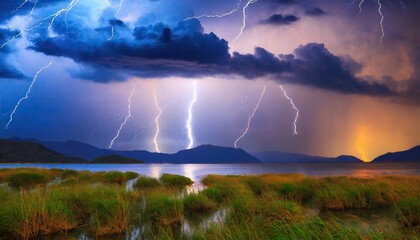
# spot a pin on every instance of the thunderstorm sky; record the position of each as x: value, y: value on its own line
x: 166, y: 75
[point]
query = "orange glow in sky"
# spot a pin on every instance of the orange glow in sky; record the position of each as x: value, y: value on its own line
x: 360, y: 143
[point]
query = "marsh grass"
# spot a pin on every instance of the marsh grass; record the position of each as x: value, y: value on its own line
x: 115, y: 177
x: 256, y: 207
x: 110, y: 216
x: 5, y: 193
x: 33, y: 214
x: 198, y: 203
x: 144, y: 182
x: 89, y: 177
x: 105, y: 210
x: 131, y: 175
x: 408, y: 212
x: 332, y: 193
x: 27, y: 180
x: 173, y: 180
x: 163, y: 210
x: 5, y: 173
x: 68, y: 173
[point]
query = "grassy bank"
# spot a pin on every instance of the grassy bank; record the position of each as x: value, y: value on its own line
x: 40, y: 202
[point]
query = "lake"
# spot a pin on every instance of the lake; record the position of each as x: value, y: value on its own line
x: 198, y: 171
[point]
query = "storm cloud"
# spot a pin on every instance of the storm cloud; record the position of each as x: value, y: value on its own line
x: 279, y: 19
x: 6, y: 69
x: 9, y: 9
x: 315, y: 12
x: 183, y: 49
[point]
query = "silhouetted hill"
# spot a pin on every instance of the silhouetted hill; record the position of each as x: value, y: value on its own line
x: 115, y: 159
x: 347, y: 159
x: 214, y: 154
x: 31, y: 152
x: 283, y: 157
x: 410, y: 155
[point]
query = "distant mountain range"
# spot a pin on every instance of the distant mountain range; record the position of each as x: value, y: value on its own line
x: 284, y: 157
x: 34, y: 151
x: 200, y: 154
x: 80, y: 151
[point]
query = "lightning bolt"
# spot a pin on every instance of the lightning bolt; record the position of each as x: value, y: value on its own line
x: 152, y: 122
x: 33, y: 7
x: 190, y: 115
x: 59, y: 12
x: 361, y: 6
x: 53, y: 17
x: 251, y: 117
x: 157, y: 121
x: 115, y: 16
x: 15, y: 36
x: 217, y: 15
x: 381, y: 22
x: 244, y: 18
x: 18, y: 8
x: 27, y: 93
x: 125, y: 120
x: 382, y: 17
x: 294, y: 107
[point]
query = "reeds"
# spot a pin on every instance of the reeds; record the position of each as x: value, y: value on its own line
x: 256, y: 207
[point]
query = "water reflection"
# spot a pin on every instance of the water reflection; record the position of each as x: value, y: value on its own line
x: 155, y: 170
x: 189, y: 225
x: 201, y: 222
x: 190, y: 171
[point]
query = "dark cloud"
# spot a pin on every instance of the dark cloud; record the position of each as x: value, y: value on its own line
x: 6, y: 69
x: 160, y: 50
x: 7, y: 7
x: 412, y: 92
x: 259, y: 64
x: 279, y: 19
x: 314, y: 65
x: 183, y: 42
x: 315, y: 12
x: 98, y: 74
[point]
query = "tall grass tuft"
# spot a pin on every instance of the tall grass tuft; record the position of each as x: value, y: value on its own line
x: 131, y: 175
x: 198, y: 203
x: 144, y: 182
x: 173, y: 180
x: 408, y: 212
x: 115, y: 177
x: 110, y: 216
x: 27, y: 180
x: 32, y: 214
x: 162, y: 210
